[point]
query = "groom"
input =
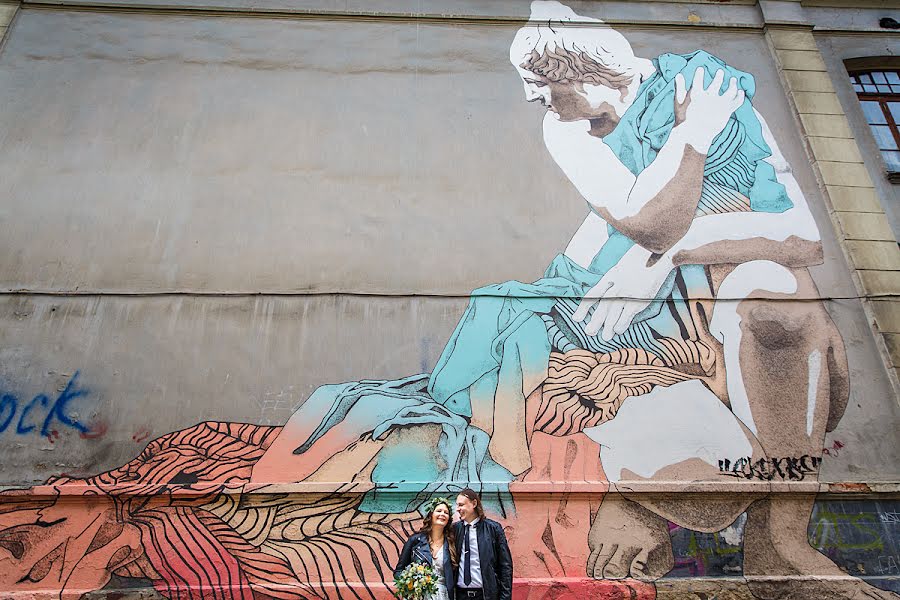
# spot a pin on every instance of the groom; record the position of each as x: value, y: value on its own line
x: 485, y: 564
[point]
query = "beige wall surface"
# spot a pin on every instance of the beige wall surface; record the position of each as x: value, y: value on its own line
x: 161, y: 153
x: 738, y: 13
x: 836, y: 49
x: 154, y: 365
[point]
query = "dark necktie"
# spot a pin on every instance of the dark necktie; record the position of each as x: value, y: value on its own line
x: 467, y: 563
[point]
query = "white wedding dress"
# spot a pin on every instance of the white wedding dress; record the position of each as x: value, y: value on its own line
x: 441, y: 584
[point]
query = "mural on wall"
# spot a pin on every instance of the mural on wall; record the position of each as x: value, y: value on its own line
x: 674, y: 341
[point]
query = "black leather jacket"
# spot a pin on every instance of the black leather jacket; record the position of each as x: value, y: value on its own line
x: 417, y: 550
x: 493, y: 555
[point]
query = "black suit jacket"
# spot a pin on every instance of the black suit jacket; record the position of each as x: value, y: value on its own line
x: 494, y: 556
x: 417, y: 550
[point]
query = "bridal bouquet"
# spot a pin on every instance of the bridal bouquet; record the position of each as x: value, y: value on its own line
x: 416, y: 582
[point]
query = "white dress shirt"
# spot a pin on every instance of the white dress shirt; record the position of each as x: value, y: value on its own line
x: 474, y: 560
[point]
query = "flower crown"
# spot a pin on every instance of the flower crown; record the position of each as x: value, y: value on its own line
x: 433, y: 503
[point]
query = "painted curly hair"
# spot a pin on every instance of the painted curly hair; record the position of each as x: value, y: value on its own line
x: 562, y: 65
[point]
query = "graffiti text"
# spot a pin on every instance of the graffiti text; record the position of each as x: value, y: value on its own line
x: 42, y: 414
x: 767, y: 469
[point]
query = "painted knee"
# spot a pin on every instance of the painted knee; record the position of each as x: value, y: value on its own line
x: 783, y: 325
x: 737, y: 290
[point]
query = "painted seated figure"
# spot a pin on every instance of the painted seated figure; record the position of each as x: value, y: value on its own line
x: 680, y: 330
x: 698, y: 244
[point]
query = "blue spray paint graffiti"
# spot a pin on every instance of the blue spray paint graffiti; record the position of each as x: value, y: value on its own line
x: 54, y: 412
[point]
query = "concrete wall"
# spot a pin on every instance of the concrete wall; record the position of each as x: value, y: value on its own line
x: 210, y: 216
x: 836, y: 49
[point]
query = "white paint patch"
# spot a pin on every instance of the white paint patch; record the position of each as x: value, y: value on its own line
x: 588, y: 240
x: 726, y: 323
x: 668, y: 426
x: 734, y: 533
x: 815, y: 368
x: 800, y: 218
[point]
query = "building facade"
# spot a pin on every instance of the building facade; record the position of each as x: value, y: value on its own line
x: 275, y: 274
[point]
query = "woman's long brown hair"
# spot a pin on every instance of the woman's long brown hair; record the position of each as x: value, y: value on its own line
x: 448, y: 532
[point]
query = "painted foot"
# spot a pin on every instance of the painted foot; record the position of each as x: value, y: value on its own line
x: 779, y: 563
x: 805, y: 587
x: 627, y: 540
x: 787, y: 571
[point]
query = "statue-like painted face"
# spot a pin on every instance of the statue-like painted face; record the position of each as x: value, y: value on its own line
x: 573, y: 101
x: 578, y: 71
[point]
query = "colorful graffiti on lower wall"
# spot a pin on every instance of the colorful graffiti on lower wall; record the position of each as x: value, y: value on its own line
x: 676, y: 341
x: 179, y: 518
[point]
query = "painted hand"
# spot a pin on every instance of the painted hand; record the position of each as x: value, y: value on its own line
x: 702, y: 113
x: 625, y: 290
x: 427, y: 413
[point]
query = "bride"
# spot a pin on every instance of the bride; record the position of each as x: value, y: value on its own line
x: 434, y: 545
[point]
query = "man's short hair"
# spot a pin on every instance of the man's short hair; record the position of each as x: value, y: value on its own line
x: 474, y: 497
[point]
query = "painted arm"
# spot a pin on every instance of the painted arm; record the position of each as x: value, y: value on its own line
x: 669, y: 188
x: 790, y: 238
x: 588, y: 240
